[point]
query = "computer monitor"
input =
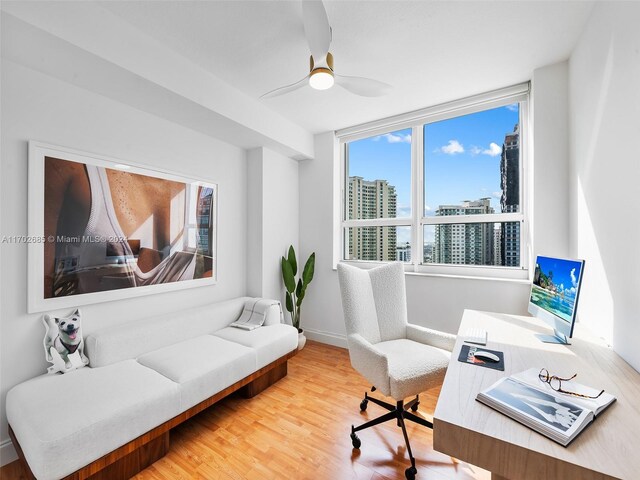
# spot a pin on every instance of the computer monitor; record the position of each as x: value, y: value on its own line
x: 554, y: 295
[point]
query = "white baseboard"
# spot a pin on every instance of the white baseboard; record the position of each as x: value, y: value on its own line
x: 7, y: 453
x: 329, y: 338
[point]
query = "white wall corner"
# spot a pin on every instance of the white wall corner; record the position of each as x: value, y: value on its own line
x: 330, y: 338
x: 273, y: 219
x: 550, y: 177
x: 319, y: 208
x: 7, y: 453
x: 254, y: 221
x: 604, y: 74
x: 280, y: 220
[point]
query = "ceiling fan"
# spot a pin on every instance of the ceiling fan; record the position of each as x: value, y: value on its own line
x: 321, y: 74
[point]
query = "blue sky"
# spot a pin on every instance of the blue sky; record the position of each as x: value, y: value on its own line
x: 462, y: 159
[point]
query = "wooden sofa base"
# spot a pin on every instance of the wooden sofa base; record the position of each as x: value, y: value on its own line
x: 264, y: 381
x: 138, y: 454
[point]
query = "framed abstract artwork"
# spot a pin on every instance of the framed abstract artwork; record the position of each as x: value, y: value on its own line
x: 103, y: 229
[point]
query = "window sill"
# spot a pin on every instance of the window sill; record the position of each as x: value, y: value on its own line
x: 521, y: 281
x: 410, y: 272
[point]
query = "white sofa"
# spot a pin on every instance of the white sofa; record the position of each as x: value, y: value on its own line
x: 144, y: 378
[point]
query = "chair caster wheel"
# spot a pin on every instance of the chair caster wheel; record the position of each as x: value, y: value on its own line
x: 363, y: 405
x: 410, y: 473
x: 414, y: 407
x: 355, y: 441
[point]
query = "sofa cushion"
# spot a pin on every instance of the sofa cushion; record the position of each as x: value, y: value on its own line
x: 270, y: 342
x: 132, y: 339
x: 413, y: 367
x: 64, y: 422
x: 201, y: 366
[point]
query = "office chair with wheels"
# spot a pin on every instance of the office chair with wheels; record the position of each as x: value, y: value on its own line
x: 399, y: 359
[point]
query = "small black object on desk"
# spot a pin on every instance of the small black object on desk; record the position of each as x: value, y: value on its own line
x: 467, y: 355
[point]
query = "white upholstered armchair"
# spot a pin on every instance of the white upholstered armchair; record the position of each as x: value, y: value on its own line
x: 399, y: 359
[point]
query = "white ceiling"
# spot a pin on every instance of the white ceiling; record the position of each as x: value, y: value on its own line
x: 429, y: 51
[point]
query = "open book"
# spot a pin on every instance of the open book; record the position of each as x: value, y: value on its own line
x: 532, y: 402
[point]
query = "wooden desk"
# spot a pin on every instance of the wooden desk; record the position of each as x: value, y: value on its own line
x: 474, y: 433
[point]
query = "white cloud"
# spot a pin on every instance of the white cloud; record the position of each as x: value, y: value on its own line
x: 427, y: 208
x: 493, y: 151
x: 394, y: 138
x: 513, y: 107
x: 497, y: 194
x: 574, y: 280
x: 452, y: 147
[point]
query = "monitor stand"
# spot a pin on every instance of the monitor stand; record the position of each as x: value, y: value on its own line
x: 557, y: 337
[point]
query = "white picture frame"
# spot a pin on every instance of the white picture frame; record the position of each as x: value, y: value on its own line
x: 42, y: 299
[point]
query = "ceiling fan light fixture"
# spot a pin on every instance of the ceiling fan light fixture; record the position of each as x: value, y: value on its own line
x: 321, y: 79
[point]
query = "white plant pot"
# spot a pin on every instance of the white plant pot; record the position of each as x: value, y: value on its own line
x: 301, y: 340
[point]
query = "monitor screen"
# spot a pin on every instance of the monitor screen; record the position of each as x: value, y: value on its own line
x: 555, y: 291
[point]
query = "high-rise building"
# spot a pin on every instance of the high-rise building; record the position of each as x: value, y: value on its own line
x: 371, y: 199
x: 464, y: 243
x: 427, y: 251
x: 497, y: 244
x: 510, y: 200
x: 403, y: 252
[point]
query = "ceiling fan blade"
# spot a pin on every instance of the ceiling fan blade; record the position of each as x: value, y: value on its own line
x: 365, y: 87
x: 317, y: 29
x: 286, y: 89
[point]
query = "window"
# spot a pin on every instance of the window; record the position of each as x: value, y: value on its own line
x: 379, y: 187
x: 441, y: 190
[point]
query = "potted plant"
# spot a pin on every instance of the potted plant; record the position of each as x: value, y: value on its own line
x: 296, y: 289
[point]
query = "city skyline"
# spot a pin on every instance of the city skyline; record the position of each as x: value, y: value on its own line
x: 465, y: 149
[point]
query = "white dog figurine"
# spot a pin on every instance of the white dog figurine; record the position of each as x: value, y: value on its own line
x: 64, y: 335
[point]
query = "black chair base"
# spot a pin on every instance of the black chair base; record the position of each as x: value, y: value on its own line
x: 400, y: 412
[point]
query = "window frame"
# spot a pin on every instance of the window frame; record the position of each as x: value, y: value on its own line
x: 417, y: 221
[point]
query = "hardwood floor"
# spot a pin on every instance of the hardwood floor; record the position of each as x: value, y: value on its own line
x: 299, y: 429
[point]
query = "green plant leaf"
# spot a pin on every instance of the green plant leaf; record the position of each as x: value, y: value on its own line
x: 289, y: 303
x: 299, y: 287
x: 309, y: 267
x: 288, y: 276
x: 291, y: 258
x: 300, y: 297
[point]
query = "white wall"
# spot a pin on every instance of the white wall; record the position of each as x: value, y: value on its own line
x: 74, y: 42
x: 280, y: 226
x: 255, y: 216
x: 438, y: 301
x: 321, y: 312
x: 604, y: 81
x: 551, y: 160
x: 272, y: 184
x: 35, y: 106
